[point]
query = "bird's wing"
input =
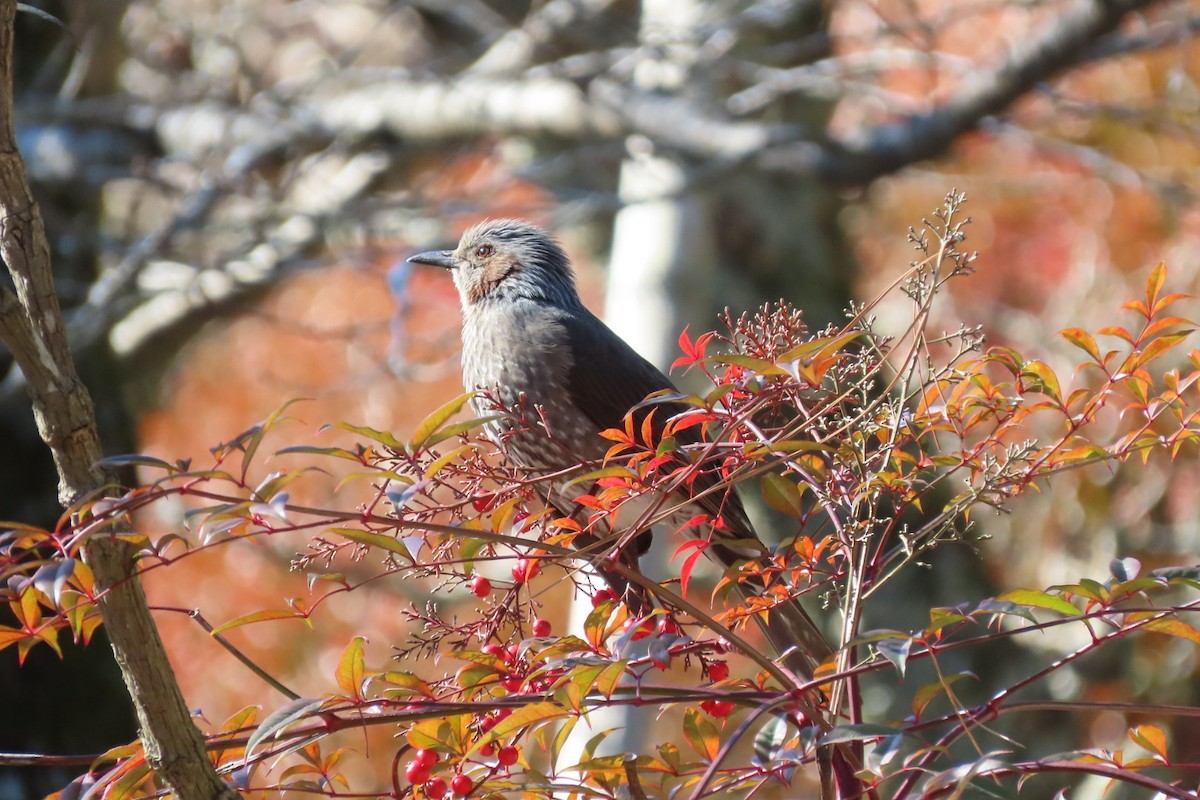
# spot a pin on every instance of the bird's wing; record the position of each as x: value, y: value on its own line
x: 608, y: 378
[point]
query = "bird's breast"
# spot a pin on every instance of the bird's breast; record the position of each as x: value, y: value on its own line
x: 515, y: 351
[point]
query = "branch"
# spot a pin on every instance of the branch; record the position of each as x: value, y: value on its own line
x: 517, y: 48
x: 887, y: 148
x: 32, y: 327
x: 358, y: 107
x: 367, y: 103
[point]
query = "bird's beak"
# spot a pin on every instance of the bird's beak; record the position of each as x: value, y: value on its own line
x: 437, y: 258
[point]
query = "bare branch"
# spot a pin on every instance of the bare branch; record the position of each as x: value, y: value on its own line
x: 887, y: 148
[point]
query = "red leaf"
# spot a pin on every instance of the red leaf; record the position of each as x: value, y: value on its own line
x: 685, y: 571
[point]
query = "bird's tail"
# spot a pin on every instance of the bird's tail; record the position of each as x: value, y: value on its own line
x: 802, y: 648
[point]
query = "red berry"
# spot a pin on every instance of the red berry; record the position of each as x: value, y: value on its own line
x: 487, y: 749
x: 481, y: 586
x: 541, y: 627
x: 426, y: 758
x: 667, y: 625
x: 483, y: 501
x: 603, y: 596
x: 526, y: 569
x: 493, y: 649
x: 435, y: 788
x: 512, y: 683
x: 461, y: 784
x: 416, y: 773
x: 507, y: 756
x: 487, y: 723
x: 718, y: 671
x: 717, y: 708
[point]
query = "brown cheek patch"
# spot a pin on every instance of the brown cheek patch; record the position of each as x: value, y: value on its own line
x: 494, y: 272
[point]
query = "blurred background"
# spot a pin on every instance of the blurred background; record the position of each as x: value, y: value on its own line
x: 231, y: 188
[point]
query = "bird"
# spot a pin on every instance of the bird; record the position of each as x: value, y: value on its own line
x: 529, y: 341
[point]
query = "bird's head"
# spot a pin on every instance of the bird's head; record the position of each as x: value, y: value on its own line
x: 507, y: 259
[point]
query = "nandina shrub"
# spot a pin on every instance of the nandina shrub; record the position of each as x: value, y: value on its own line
x: 874, y: 447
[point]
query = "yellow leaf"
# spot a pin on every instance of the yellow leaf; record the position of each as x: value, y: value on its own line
x: 350, y: 668
x: 437, y: 419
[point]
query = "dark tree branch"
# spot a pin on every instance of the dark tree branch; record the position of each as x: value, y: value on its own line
x: 354, y: 108
x: 364, y: 104
x: 33, y: 329
x: 887, y: 148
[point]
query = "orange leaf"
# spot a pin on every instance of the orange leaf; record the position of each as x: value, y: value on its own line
x: 1154, y: 283
x: 1151, y: 738
x: 648, y: 429
x: 1081, y: 339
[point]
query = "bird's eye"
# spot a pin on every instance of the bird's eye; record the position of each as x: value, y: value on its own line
x: 484, y: 250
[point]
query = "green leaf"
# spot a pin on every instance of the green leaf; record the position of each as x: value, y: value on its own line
x: 998, y: 608
x: 701, y: 734
x: 608, y: 680
x: 1187, y: 575
x: 407, y: 681
x: 855, y: 733
x: 669, y: 753
x: 759, y: 365
x: 450, y: 431
x: 257, y: 433
x: 444, y: 459
x: 560, y: 738
x: 281, y: 718
x: 257, y: 616
x: 482, y: 659
x: 472, y: 676
x: 1039, y: 377
x: 135, y: 460
x: 930, y: 691
x: 468, y: 548
x: 311, y: 450
x: 236, y: 722
x: 386, y: 439
x: 940, y: 618
x: 821, y: 346
x: 782, y: 495
x: 430, y: 425
x: 1030, y: 597
x: 382, y: 541
x: 579, y: 682
x: 895, y: 651
x: 524, y: 717
x: 437, y: 734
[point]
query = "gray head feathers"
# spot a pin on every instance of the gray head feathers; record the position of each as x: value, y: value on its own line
x: 508, y: 259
